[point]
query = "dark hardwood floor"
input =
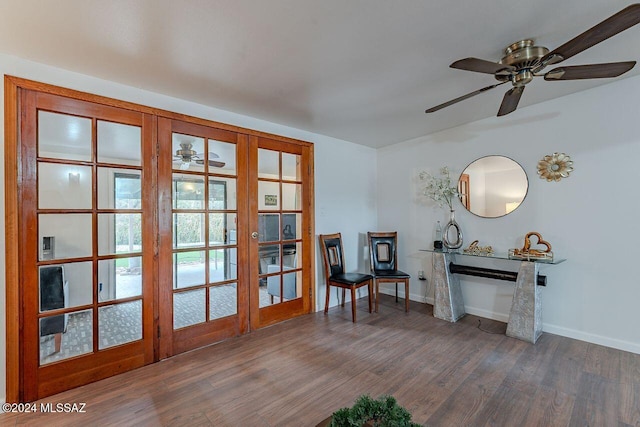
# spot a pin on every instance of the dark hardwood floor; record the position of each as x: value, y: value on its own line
x: 298, y: 372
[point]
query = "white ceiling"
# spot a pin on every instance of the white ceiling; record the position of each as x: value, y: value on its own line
x: 358, y: 70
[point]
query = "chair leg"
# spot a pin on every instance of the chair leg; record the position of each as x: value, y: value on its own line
x: 396, y: 291
x: 271, y: 299
x: 344, y: 298
x: 57, y: 340
x: 326, y: 300
x: 406, y: 295
x: 377, y: 286
x: 370, y: 287
x: 353, y: 303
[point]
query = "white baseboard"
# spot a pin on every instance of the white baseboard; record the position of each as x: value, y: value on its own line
x: 592, y: 338
x: 546, y: 327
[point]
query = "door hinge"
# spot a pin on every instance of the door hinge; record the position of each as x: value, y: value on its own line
x: 158, y: 331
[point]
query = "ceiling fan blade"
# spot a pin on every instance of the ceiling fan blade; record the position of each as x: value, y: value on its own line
x: 480, y: 66
x: 216, y: 164
x: 461, y: 98
x: 510, y: 100
x: 212, y: 163
x: 591, y: 71
x: 212, y: 155
x: 626, y: 18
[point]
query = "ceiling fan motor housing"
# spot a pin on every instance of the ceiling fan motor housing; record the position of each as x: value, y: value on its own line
x: 522, y: 55
x: 185, y: 151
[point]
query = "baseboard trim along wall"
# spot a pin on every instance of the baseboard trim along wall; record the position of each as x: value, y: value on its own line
x: 546, y: 327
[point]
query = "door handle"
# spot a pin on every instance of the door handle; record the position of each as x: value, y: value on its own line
x: 254, y: 235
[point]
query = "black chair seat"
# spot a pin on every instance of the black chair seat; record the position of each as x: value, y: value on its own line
x: 351, y: 279
x: 390, y: 274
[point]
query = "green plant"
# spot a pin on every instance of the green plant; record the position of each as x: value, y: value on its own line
x: 381, y: 412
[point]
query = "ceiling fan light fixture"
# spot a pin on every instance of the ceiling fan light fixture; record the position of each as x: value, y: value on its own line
x: 522, y: 78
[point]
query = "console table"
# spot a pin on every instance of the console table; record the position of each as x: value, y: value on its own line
x: 525, y: 316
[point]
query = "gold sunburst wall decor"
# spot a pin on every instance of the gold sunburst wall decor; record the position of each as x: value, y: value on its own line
x: 555, y: 166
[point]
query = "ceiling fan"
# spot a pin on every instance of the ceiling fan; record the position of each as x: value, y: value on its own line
x: 523, y: 61
x: 186, y: 155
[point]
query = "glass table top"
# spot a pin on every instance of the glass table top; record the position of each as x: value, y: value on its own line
x: 497, y: 255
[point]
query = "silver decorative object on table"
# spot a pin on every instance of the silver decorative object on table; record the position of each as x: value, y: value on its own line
x: 443, y: 190
x: 452, y: 228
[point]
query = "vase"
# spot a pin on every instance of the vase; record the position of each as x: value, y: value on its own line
x: 452, y: 234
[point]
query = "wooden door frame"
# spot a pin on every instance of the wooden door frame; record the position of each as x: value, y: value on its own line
x: 13, y: 173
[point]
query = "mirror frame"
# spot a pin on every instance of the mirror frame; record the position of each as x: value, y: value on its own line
x: 462, y: 181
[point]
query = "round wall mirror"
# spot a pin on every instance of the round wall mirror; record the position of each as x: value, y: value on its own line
x: 493, y: 186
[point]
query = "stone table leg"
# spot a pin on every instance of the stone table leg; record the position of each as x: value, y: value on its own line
x: 448, y: 303
x: 525, y: 318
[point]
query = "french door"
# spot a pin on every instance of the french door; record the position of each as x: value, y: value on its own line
x: 87, y: 242
x: 281, y: 238
x: 235, y: 240
x: 203, y: 235
x: 139, y: 234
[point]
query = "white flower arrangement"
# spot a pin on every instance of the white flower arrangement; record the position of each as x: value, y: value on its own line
x: 440, y: 188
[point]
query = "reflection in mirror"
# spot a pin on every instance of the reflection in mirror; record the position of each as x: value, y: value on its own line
x: 493, y: 186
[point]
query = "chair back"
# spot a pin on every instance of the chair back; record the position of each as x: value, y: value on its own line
x: 332, y: 254
x: 51, y: 287
x: 383, y: 250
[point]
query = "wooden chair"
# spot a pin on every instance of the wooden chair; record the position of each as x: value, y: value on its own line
x: 383, y: 249
x: 333, y: 257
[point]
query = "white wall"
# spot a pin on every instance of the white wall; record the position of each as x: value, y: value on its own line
x: 591, y: 218
x: 345, y: 173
